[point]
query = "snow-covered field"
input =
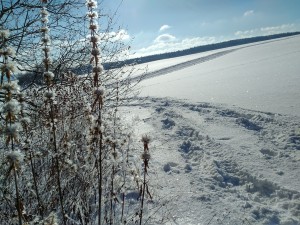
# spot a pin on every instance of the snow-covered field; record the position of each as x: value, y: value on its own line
x: 225, y: 135
x: 261, y: 77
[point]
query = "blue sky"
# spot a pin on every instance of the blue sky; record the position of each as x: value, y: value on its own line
x: 168, y: 25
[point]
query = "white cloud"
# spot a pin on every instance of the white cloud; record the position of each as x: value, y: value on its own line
x: 164, y: 38
x: 123, y: 35
x: 159, y: 47
x: 249, y: 13
x: 164, y: 27
x: 169, y: 43
x: 120, y: 35
x: 266, y: 31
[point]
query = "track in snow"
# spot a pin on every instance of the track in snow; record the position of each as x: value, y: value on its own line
x: 223, y: 164
x: 181, y: 66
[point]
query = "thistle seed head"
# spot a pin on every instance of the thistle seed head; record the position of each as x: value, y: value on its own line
x: 93, y: 27
x: 92, y: 15
x: 4, y: 34
x: 98, y: 69
x: 14, y: 156
x: 91, y: 4
x: 146, y: 156
x: 99, y: 91
x: 145, y: 139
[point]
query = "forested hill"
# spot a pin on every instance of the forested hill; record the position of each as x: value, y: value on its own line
x: 198, y: 49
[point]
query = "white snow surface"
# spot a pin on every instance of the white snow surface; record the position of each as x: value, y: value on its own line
x: 225, y: 137
x: 263, y: 76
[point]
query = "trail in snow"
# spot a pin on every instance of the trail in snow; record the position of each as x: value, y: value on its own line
x: 181, y: 66
x: 220, y: 165
x: 214, y: 164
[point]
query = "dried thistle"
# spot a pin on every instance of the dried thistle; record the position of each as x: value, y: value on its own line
x: 93, y: 27
x: 91, y: 4
x: 14, y: 157
x: 4, y: 34
x: 146, y: 140
x: 99, y: 91
x: 146, y: 156
x: 98, y: 69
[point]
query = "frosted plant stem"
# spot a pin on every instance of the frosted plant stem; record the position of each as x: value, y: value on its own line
x: 57, y: 165
x: 143, y: 195
x: 211, y: 219
x: 100, y: 195
x: 100, y: 185
x: 145, y: 157
x: 100, y: 176
x: 18, y: 204
x: 36, y: 187
x: 59, y: 190
x: 111, y: 195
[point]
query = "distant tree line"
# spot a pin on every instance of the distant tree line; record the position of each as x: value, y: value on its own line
x: 198, y: 49
x: 84, y: 69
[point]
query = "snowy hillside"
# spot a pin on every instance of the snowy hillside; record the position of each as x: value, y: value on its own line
x: 260, y: 76
x: 225, y: 136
